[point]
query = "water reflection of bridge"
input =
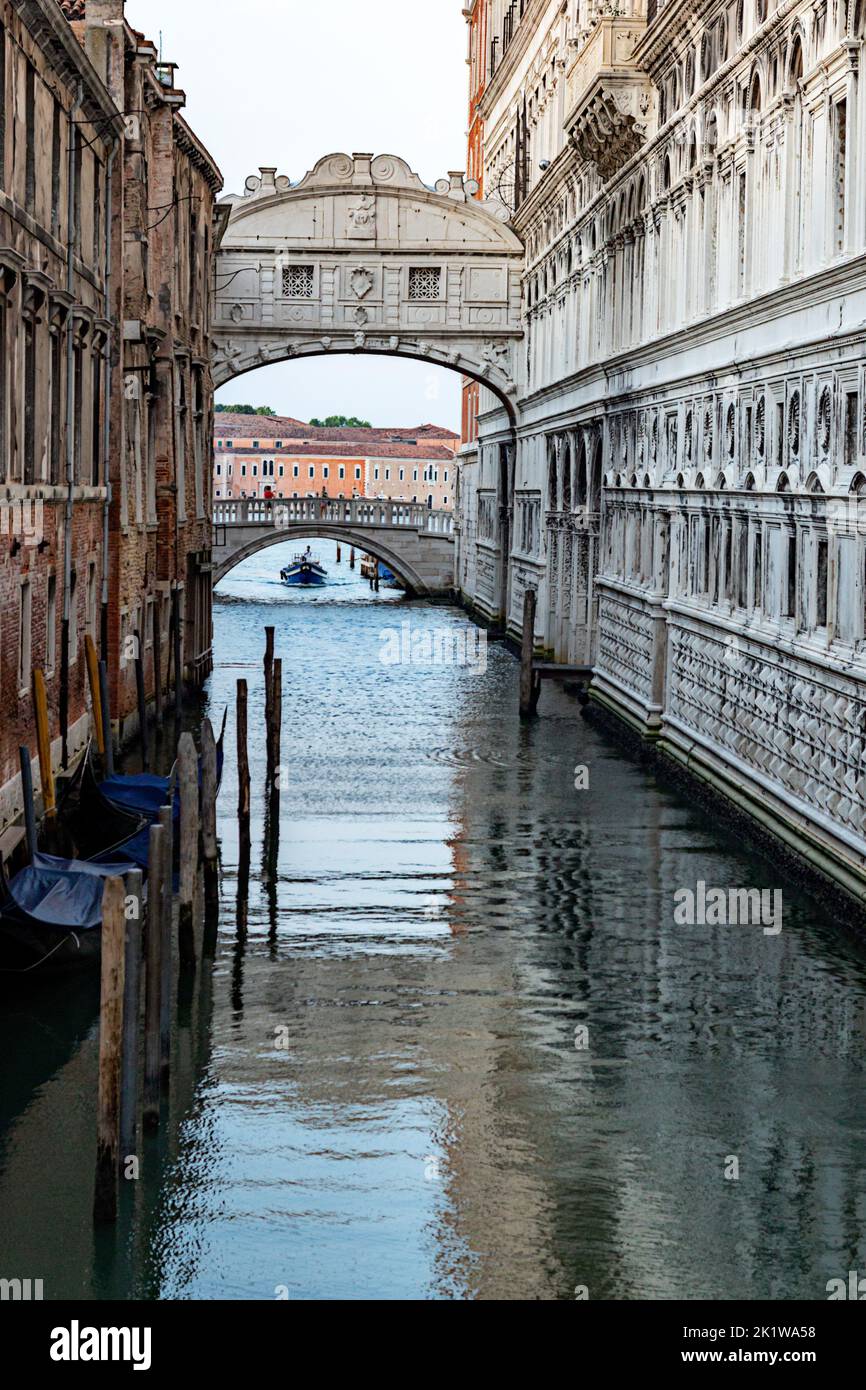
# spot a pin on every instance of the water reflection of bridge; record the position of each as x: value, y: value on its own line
x: 414, y: 541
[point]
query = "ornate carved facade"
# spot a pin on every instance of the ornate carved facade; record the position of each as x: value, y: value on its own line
x: 691, y: 402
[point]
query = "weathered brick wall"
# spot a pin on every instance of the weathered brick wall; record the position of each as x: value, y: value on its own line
x: 42, y: 311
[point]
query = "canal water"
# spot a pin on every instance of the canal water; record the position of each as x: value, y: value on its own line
x: 454, y: 1043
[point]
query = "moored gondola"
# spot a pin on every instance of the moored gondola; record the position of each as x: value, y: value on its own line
x: 113, y: 814
x: 51, y: 913
x: 51, y: 910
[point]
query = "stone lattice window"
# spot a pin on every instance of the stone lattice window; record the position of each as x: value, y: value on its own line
x: 424, y: 282
x: 297, y: 282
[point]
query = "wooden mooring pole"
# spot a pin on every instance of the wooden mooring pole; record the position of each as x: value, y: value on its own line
x: 108, y: 760
x: 269, y: 694
x: 178, y: 658
x: 110, y: 1049
x: 208, y: 821
x: 155, y: 862
x: 157, y: 662
x: 95, y: 696
x: 188, y: 790
x: 43, y: 742
x: 27, y: 799
x: 166, y: 820
x: 276, y: 719
x: 243, y: 761
x: 134, y: 917
x: 352, y: 558
x: 530, y: 682
x: 142, y: 701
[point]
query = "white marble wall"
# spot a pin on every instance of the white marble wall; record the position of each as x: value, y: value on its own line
x: 691, y: 438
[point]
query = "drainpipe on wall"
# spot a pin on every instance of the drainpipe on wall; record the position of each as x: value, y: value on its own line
x: 106, y: 404
x: 72, y: 237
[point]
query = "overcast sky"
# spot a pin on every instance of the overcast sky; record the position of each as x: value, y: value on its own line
x: 283, y: 82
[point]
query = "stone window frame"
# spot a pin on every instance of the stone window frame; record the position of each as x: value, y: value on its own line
x: 287, y: 270
x: 413, y: 271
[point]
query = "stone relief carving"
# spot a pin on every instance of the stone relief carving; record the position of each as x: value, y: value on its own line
x: 362, y: 218
x: 361, y: 282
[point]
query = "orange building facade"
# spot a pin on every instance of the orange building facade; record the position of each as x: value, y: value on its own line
x: 258, y: 456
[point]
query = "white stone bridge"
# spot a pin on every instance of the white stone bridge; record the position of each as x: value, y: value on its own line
x: 415, y: 542
x: 361, y: 257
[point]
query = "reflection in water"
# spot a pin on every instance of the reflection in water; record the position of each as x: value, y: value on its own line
x: 381, y: 1086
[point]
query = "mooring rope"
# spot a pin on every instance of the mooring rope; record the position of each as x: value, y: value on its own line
x: 25, y: 970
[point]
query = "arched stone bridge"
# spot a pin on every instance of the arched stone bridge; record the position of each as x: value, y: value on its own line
x: 413, y: 541
x: 361, y: 257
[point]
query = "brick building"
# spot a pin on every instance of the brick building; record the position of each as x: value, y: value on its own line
x: 255, y: 453
x: 107, y: 233
x: 59, y: 132
x: 160, y: 531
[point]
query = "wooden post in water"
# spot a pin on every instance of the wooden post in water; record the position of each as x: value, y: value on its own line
x: 530, y: 682
x: 108, y: 762
x: 352, y: 558
x: 157, y: 661
x: 166, y: 820
x: 142, y: 701
x: 178, y: 659
x: 27, y: 799
x: 187, y: 776
x: 110, y: 1049
x: 269, y: 694
x: 208, y: 820
x: 43, y: 742
x: 133, y: 914
x: 276, y: 719
x: 338, y: 552
x: 243, y: 762
x: 155, y: 857
x: 95, y: 696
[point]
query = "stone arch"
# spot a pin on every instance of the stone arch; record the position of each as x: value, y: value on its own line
x: 552, y: 477
x: 582, y: 488
x: 347, y: 536
x: 593, y: 499
x: 796, y: 58
x: 566, y: 473
x: 361, y: 257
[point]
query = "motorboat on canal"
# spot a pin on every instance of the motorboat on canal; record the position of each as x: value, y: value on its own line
x: 304, y: 569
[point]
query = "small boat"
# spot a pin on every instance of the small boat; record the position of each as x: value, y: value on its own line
x: 304, y: 569
x: 51, y: 912
x: 108, y: 821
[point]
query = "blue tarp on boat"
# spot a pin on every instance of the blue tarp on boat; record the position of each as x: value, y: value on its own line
x: 144, y: 793
x: 63, y: 892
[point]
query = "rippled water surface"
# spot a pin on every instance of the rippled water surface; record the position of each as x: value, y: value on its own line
x: 381, y: 1088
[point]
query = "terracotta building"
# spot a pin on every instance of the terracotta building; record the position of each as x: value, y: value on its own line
x: 255, y: 455
x: 59, y: 131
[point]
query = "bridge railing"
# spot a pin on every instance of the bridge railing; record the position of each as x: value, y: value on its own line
x: 356, y: 511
